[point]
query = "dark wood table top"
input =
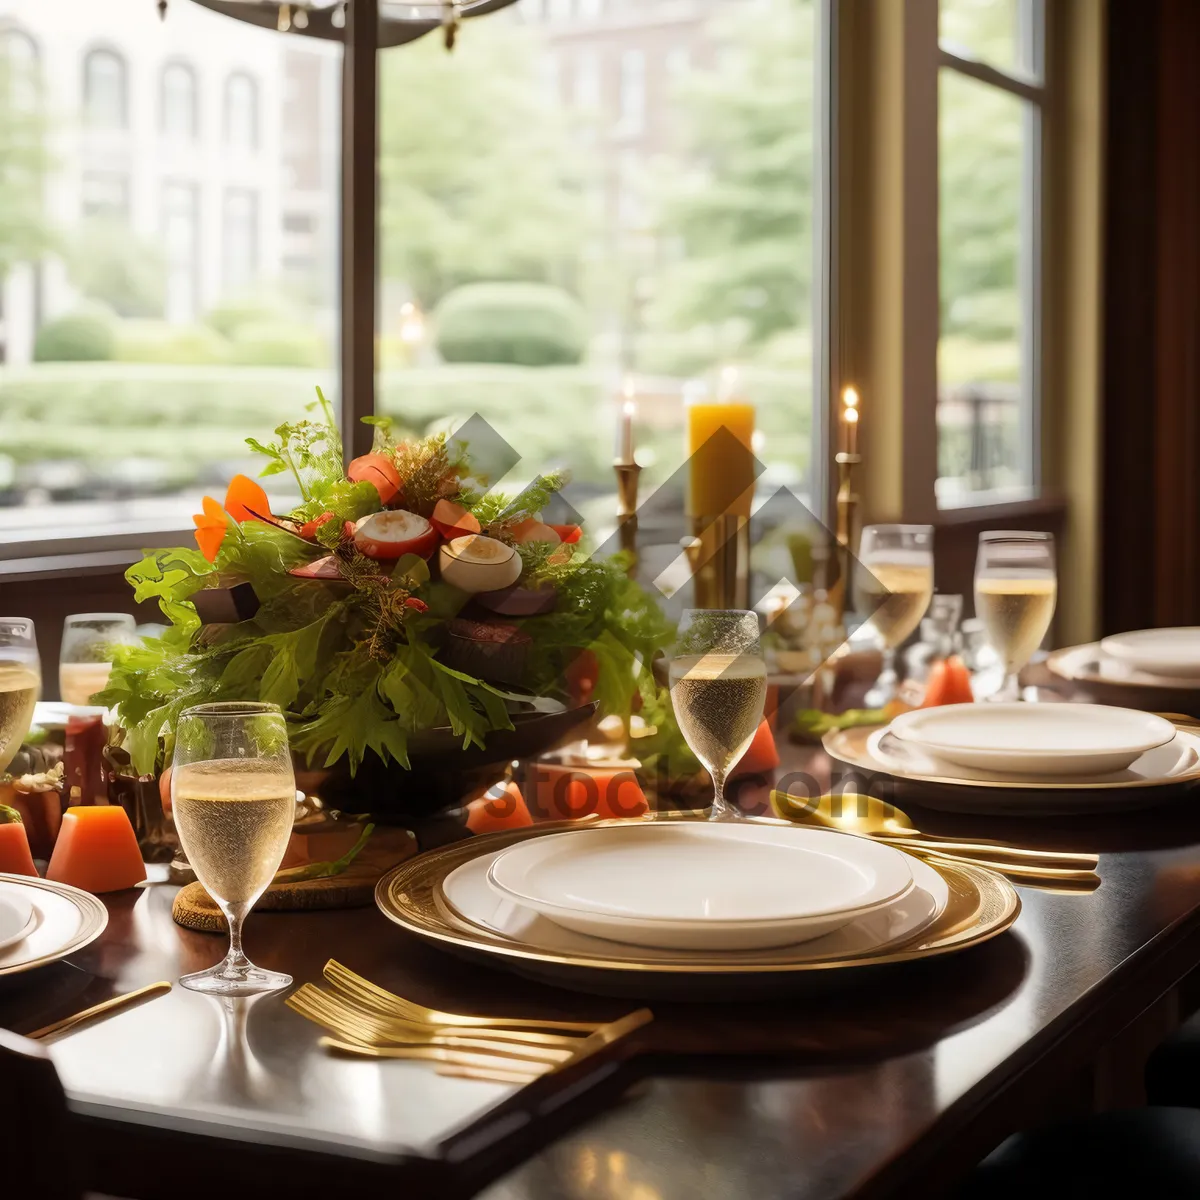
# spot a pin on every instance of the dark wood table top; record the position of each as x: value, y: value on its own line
x: 849, y: 1094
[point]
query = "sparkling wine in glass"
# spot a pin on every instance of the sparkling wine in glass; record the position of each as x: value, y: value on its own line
x: 718, y: 690
x: 20, y: 684
x: 85, y: 657
x: 234, y: 797
x: 893, y: 585
x: 1016, y: 588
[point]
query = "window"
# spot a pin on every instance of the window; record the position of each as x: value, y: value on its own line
x: 105, y: 102
x: 181, y: 230
x: 241, y: 112
x: 989, y: 146
x: 20, y: 67
x: 239, y: 239
x: 104, y: 194
x: 178, y: 118
x: 665, y: 258
x: 146, y: 237
x: 633, y: 91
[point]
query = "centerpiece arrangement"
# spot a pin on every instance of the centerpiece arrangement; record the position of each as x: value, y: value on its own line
x: 417, y: 627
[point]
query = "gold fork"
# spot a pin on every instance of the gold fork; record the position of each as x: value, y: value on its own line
x: 475, y: 1065
x: 390, y: 1004
x: 352, y: 1024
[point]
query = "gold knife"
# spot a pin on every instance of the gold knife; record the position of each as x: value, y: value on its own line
x: 154, y: 989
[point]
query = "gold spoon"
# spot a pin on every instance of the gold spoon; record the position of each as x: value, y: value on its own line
x: 143, y: 993
x: 870, y: 817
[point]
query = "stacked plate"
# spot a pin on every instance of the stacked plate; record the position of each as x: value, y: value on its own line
x: 42, y: 922
x: 690, y: 909
x: 1147, y: 659
x: 1039, y: 758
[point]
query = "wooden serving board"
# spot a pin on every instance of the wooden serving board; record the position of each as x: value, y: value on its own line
x: 194, y: 908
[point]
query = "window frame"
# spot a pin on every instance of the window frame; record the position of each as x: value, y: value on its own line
x: 1029, y: 86
x: 239, y: 75
x: 185, y: 68
x: 90, y: 55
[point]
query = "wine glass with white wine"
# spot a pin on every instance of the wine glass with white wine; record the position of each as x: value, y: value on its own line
x: 233, y: 794
x: 893, y: 585
x: 20, y: 684
x: 85, y: 657
x: 718, y: 690
x: 1016, y: 588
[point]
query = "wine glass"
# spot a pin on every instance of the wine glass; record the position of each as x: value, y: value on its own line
x: 718, y: 689
x: 1015, y: 592
x: 893, y: 584
x: 233, y: 795
x: 20, y: 684
x: 85, y: 657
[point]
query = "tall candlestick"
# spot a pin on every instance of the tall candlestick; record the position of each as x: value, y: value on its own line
x: 628, y: 412
x: 849, y: 422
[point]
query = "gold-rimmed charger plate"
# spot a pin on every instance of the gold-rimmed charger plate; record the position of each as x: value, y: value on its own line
x: 64, y: 933
x: 1041, y: 797
x: 981, y: 906
x: 1085, y: 664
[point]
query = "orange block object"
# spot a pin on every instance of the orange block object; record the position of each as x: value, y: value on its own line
x: 761, y: 755
x: 15, y: 857
x: 499, y: 808
x: 565, y: 792
x: 96, y: 850
x: 949, y: 683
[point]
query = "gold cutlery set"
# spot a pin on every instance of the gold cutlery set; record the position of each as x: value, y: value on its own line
x: 868, y: 816
x: 366, y: 1020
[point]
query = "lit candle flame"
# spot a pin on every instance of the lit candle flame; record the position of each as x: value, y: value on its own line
x: 851, y: 416
x: 850, y: 401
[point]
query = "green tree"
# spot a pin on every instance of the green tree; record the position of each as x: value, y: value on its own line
x: 111, y: 264
x: 24, y: 231
x: 479, y: 181
x: 741, y: 213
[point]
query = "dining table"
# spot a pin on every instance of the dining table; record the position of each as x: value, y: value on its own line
x: 850, y: 1092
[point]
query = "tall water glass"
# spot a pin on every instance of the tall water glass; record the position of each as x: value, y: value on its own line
x: 20, y: 684
x: 86, y: 656
x: 718, y: 690
x: 1016, y: 589
x: 233, y: 794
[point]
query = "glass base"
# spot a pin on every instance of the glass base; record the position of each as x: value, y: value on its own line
x: 227, y: 980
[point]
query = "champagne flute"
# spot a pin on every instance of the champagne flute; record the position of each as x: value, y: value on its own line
x: 893, y: 585
x: 20, y: 684
x: 233, y: 794
x: 718, y: 690
x: 1015, y: 592
x: 85, y: 658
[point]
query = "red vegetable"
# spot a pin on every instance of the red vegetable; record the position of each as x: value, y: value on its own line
x: 15, y: 857
x: 533, y: 530
x: 389, y: 535
x: 379, y: 470
x: 416, y: 604
x: 309, y: 528
x: 452, y: 520
x: 570, y: 534
x: 949, y: 683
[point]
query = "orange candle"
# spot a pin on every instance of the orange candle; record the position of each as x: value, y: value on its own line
x: 570, y: 790
x: 96, y: 850
x: 721, y: 468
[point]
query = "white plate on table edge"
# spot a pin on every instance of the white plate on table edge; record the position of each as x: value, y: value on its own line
x: 665, y: 882
x: 466, y: 897
x: 1032, y: 739
x: 16, y: 916
x: 1162, y: 764
x: 1089, y: 664
x: 67, y: 919
x: 1172, y: 652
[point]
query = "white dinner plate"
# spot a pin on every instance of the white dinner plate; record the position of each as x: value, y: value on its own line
x: 701, y: 886
x: 466, y: 896
x: 1089, y: 664
x: 1174, y: 653
x: 1034, y: 739
x: 65, y: 920
x: 16, y: 915
x: 1177, y: 757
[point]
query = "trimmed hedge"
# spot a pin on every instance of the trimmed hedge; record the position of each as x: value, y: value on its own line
x: 82, y: 336
x: 522, y: 324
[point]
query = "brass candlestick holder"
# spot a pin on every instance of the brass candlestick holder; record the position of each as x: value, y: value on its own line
x: 627, y: 503
x: 719, y: 555
x: 847, y: 527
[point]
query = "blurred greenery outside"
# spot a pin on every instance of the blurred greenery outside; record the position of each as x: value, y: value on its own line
x: 484, y: 181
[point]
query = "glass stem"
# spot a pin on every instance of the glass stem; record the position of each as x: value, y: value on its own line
x: 720, y: 810
x: 887, y: 673
x: 235, y: 960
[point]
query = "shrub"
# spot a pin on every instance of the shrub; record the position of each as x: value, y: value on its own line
x: 113, y: 265
x: 278, y: 344
x: 525, y: 324
x: 159, y: 342
x: 230, y: 317
x: 84, y: 336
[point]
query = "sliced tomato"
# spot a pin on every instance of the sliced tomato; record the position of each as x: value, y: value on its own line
x: 379, y: 470
x: 322, y: 568
x: 391, y: 535
x: 309, y: 528
x: 452, y: 520
x: 569, y: 534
